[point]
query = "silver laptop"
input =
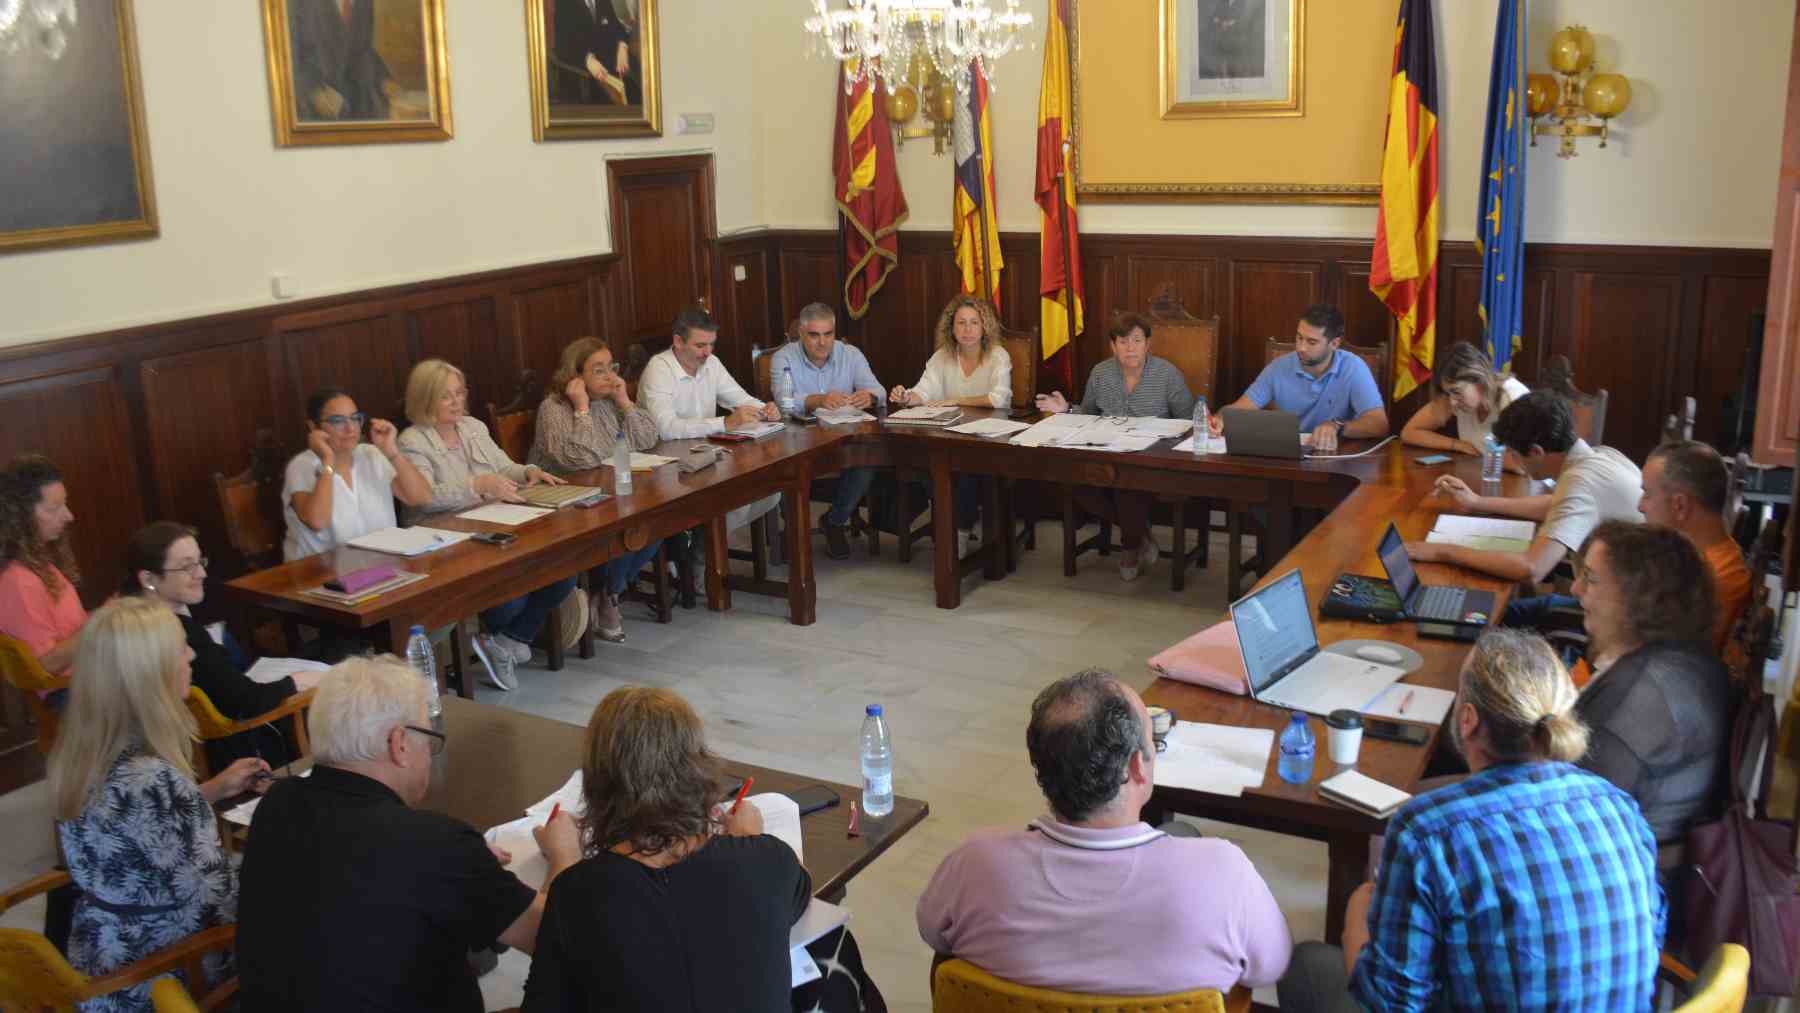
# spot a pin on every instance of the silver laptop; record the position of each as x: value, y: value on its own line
x: 1282, y: 660
x: 1259, y: 433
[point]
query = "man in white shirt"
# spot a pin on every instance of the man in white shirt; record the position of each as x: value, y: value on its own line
x: 684, y: 387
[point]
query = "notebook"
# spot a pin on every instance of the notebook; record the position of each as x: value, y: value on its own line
x: 414, y: 541
x: 755, y: 430
x: 555, y: 497
x: 1363, y: 793
x: 1494, y: 534
x: 926, y: 415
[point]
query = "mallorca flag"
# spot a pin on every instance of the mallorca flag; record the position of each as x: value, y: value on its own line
x: 977, y: 232
x: 1059, y: 241
x: 1500, y: 229
x: 870, y: 204
x: 1404, y: 272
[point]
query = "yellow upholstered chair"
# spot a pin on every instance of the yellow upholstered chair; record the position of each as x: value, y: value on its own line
x: 1721, y: 985
x: 215, y: 725
x: 958, y: 986
x: 34, y: 975
x: 22, y: 671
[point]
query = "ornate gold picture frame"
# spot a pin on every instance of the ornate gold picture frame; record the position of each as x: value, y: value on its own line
x: 595, y: 68
x: 1232, y: 57
x: 75, y: 179
x: 357, y: 71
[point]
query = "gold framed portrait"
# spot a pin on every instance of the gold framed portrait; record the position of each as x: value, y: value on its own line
x: 595, y: 69
x: 357, y: 71
x: 76, y: 179
x: 1232, y: 57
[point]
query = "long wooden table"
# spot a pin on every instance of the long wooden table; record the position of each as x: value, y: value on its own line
x: 497, y: 761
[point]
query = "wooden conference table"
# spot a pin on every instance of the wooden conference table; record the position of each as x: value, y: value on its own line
x: 498, y: 761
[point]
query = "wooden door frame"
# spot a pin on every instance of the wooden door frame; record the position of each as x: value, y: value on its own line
x: 621, y: 170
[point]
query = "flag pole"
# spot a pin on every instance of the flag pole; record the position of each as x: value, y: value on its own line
x: 1068, y: 286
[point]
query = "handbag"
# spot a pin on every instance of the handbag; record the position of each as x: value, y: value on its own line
x: 1742, y: 874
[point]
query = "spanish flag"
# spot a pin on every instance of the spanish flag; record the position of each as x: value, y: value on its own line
x: 1059, y: 240
x: 972, y: 204
x: 870, y: 203
x: 1404, y: 272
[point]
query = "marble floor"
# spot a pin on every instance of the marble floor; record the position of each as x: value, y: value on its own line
x: 956, y: 686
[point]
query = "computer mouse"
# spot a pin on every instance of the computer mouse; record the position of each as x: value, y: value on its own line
x: 1380, y: 654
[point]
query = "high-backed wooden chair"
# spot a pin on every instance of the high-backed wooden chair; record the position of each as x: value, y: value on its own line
x: 250, y: 503
x: 1589, y: 409
x: 214, y: 725
x: 34, y: 975
x: 24, y: 674
x: 1026, y: 350
x: 1379, y: 358
x: 958, y: 986
x: 1192, y: 344
x: 1721, y: 986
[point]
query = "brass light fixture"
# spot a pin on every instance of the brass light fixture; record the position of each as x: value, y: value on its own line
x: 1582, y: 103
x: 925, y: 90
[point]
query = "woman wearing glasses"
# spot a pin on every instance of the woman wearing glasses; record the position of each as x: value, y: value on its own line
x: 339, y: 487
x: 163, y: 564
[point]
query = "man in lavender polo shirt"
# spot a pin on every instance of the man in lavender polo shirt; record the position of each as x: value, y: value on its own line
x: 1090, y: 898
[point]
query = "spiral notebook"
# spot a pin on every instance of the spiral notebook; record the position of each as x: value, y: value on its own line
x: 1363, y: 793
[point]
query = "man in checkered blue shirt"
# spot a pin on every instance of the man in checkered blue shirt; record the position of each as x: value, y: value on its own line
x: 1531, y: 885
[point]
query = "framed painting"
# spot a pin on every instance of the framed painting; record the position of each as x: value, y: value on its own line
x: 595, y: 69
x: 357, y: 71
x: 1232, y: 57
x: 74, y: 160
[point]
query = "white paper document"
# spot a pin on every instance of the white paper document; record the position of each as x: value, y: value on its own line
x: 268, y: 670
x: 510, y: 514
x: 781, y: 818
x: 1494, y: 533
x: 641, y: 461
x: 1052, y: 431
x: 819, y: 919
x: 242, y: 814
x: 568, y: 796
x: 413, y: 541
x: 758, y: 430
x: 990, y: 427
x: 1162, y: 429
x: 842, y: 416
x: 1425, y: 704
x: 1209, y: 445
x: 1220, y: 759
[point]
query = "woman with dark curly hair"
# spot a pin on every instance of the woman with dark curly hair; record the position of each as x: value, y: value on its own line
x: 676, y: 906
x: 38, y: 603
x: 1659, y: 703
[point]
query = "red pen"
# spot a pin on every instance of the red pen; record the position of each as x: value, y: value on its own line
x: 553, y: 811
x: 1405, y: 700
x: 745, y: 790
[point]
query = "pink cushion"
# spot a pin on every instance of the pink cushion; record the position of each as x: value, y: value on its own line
x: 1208, y: 658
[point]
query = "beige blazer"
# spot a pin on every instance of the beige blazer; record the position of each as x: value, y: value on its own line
x: 452, y: 473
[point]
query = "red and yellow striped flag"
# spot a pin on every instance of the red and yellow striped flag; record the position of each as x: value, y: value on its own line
x: 1404, y: 272
x: 977, y: 233
x: 870, y: 203
x: 1059, y: 238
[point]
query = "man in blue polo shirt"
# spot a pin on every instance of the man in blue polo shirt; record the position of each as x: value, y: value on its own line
x: 1334, y: 394
x: 830, y: 374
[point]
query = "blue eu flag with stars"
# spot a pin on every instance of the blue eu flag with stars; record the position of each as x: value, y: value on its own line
x: 1500, y: 230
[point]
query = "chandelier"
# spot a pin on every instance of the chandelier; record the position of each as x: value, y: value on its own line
x: 881, y: 38
x: 39, y: 24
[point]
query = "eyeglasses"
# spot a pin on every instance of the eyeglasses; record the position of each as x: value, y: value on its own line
x: 438, y: 739
x: 198, y: 564
x: 340, y: 421
x: 611, y: 367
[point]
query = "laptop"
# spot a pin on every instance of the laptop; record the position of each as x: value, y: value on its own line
x: 1465, y: 606
x: 1258, y: 433
x: 1282, y: 660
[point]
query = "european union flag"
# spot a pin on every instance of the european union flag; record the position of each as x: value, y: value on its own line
x: 1500, y: 231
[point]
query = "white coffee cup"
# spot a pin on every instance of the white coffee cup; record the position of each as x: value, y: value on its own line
x: 1343, y: 729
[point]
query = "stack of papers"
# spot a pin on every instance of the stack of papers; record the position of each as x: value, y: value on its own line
x: 1220, y: 759
x: 413, y: 541
x: 756, y: 430
x: 1162, y: 429
x: 267, y: 670
x: 641, y: 461
x: 508, y: 514
x: 1494, y: 534
x: 842, y: 416
x: 926, y: 415
x: 372, y: 591
x: 990, y: 427
x: 1053, y: 430
x: 1095, y: 432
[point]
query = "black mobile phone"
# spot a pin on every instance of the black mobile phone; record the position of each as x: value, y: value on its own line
x: 813, y: 798
x: 500, y: 538
x: 335, y: 585
x: 1396, y: 731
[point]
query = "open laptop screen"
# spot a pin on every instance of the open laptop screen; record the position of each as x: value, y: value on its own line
x: 1397, y: 564
x: 1274, y: 628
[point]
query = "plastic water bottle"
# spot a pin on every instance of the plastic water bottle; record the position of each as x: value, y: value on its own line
x: 877, y: 764
x: 1202, y: 426
x: 1493, y: 459
x: 621, y: 466
x: 424, y: 661
x: 784, y: 393
x: 1297, y: 748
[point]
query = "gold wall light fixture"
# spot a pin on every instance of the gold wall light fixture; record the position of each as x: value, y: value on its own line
x: 1582, y: 103
x: 922, y: 90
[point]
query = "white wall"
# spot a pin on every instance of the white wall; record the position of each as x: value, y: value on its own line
x: 235, y: 209
x: 1695, y: 163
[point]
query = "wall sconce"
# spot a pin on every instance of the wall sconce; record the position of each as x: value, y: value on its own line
x: 1579, y: 99
x: 938, y: 100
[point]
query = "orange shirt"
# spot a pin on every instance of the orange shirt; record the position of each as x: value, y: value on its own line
x: 1731, y: 583
x: 29, y: 613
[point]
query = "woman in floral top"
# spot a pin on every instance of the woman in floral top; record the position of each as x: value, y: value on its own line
x: 136, y: 829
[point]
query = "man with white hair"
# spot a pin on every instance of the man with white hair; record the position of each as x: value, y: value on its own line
x: 350, y: 898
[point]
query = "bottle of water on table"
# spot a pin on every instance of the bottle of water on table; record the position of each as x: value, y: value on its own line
x: 1493, y: 459
x: 424, y: 661
x: 877, y: 764
x: 784, y: 394
x: 621, y: 463
x: 1297, y: 747
x: 1202, y: 426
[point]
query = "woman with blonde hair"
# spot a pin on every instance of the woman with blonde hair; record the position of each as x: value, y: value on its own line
x: 38, y: 602
x: 135, y: 828
x: 464, y: 466
x: 671, y: 880
x: 586, y: 411
x: 1465, y: 388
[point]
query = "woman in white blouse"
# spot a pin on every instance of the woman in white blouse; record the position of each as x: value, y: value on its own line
x: 1466, y: 388
x: 969, y: 368
x: 339, y: 487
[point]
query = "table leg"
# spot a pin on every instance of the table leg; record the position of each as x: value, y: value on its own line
x: 718, y: 593
x: 943, y: 534
x: 802, y: 595
x: 993, y: 534
x: 1349, y: 867
x: 1281, y: 525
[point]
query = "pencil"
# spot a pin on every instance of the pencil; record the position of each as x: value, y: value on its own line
x: 557, y: 808
x: 745, y: 790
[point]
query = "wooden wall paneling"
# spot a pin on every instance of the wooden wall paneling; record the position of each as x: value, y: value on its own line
x: 545, y: 319
x: 1623, y: 337
x: 811, y: 275
x: 1195, y: 282
x: 79, y: 420
x: 1267, y: 298
x: 193, y: 438
x: 366, y: 354
x: 466, y: 333
x: 745, y: 310
x: 1726, y: 304
x: 663, y: 226
x: 1103, y: 278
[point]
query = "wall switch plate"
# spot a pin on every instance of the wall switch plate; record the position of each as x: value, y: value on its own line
x: 738, y: 273
x: 281, y: 286
x: 696, y: 123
